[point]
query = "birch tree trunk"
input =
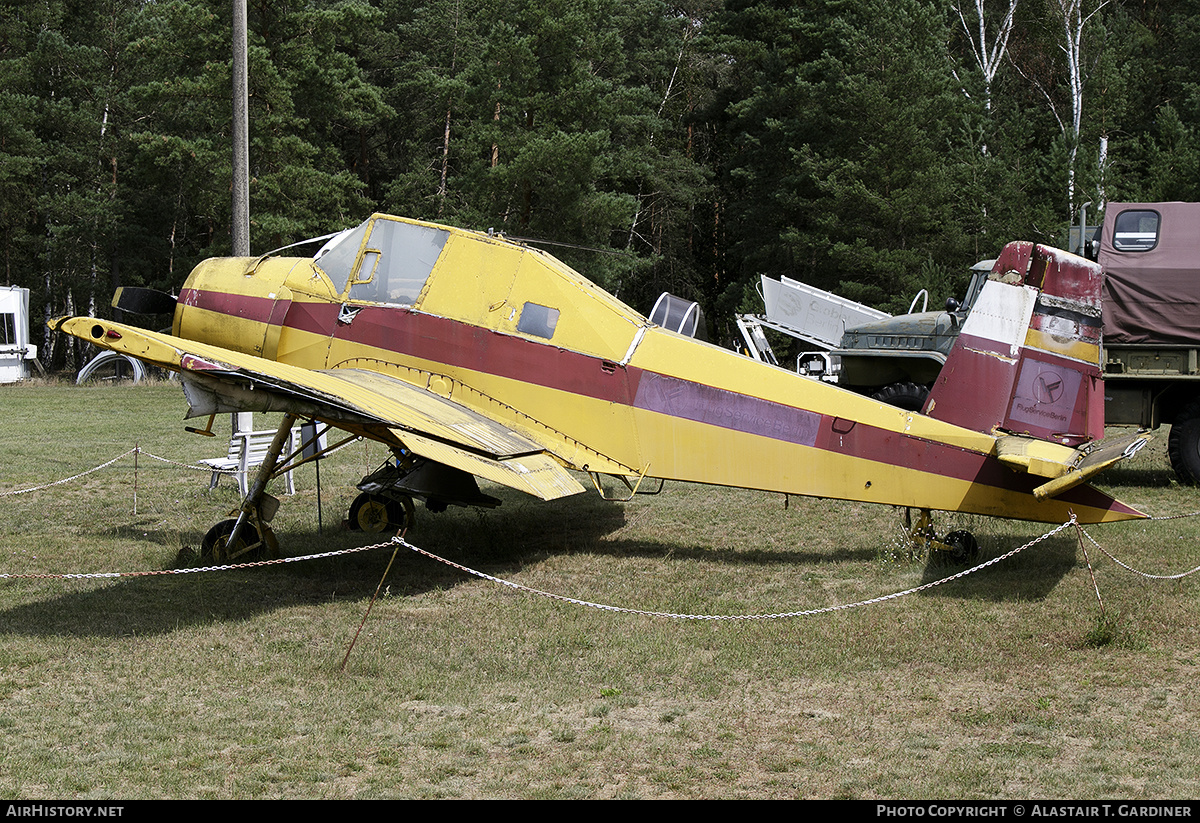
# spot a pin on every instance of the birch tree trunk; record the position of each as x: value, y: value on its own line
x: 1073, y: 20
x: 988, y: 56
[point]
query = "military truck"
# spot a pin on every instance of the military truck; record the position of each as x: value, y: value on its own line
x: 1150, y: 253
x: 894, y: 359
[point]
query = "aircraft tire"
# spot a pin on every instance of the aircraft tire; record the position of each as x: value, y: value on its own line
x: 215, y: 549
x: 907, y: 396
x: 964, y: 548
x: 375, y: 514
x: 1183, y: 445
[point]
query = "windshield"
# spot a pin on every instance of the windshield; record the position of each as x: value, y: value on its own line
x: 385, y: 260
x: 336, y: 258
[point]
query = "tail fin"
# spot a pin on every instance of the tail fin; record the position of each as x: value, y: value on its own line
x: 1027, y: 360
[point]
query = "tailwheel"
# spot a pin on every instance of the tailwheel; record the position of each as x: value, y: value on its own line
x: 958, y: 546
x: 256, y: 542
x: 375, y: 513
x: 963, y: 546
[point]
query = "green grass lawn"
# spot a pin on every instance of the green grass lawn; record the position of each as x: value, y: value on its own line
x: 1011, y: 682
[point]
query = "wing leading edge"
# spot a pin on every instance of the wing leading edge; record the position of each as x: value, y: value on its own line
x: 437, y: 428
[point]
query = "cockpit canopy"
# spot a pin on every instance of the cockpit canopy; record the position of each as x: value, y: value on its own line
x: 384, y: 260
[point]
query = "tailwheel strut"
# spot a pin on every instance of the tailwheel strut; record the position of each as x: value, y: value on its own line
x: 959, y: 545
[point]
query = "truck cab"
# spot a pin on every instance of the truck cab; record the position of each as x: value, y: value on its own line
x: 1150, y: 253
x: 896, y: 359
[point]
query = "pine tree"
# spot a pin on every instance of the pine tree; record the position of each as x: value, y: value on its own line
x: 842, y: 150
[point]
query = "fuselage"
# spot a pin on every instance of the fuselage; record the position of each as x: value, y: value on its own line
x: 513, y: 333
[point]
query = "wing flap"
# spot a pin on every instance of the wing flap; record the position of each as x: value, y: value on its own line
x: 537, y: 474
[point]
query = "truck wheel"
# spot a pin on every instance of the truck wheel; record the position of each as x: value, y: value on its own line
x: 1183, y: 445
x: 907, y: 396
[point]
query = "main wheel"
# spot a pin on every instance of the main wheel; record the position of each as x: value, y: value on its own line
x: 1183, y: 445
x: 250, y: 545
x: 907, y: 396
x: 375, y: 514
x: 964, y: 548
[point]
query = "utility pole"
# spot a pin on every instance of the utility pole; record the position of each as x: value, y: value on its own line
x: 240, y: 134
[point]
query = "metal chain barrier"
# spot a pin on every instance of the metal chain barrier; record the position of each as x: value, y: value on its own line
x: 136, y: 450
x: 193, y: 466
x: 1129, y: 568
x: 72, y: 477
x: 399, y: 540
x: 773, y: 616
x: 197, y: 570
x: 1174, y: 516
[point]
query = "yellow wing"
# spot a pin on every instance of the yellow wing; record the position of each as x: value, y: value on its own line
x: 219, y: 380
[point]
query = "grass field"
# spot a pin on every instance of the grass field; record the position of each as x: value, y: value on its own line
x: 1013, y: 682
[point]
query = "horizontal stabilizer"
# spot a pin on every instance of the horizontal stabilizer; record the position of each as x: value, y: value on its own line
x: 1064, y: 467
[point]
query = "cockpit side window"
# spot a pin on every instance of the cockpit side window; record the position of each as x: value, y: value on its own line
x: 396, y: 262
x: 538, y: 320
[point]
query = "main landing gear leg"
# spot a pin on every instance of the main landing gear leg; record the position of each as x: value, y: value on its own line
x: 248, y: 537
x: 961, y: 545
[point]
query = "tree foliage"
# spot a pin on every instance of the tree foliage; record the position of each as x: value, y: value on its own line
x: 865, y: 146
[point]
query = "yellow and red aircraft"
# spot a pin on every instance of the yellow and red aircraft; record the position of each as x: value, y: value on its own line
x: 470, y: 355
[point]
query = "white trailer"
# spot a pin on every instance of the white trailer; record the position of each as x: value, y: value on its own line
x: 15, y: 349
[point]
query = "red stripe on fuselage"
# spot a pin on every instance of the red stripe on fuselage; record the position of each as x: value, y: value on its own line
x: 439, y: 340
x: 465, y: 346
x: 244, y: 306
x: 461, y: 345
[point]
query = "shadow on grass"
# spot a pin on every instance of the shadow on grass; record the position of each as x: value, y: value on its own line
x: 499, y: 542
x: 1129, y: 477
x: 1030, y: 575
x: 764, y: 557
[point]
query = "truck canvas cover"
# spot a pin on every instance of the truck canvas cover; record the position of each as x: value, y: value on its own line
x: 1150, y: 255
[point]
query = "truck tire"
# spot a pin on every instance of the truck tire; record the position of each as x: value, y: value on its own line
x: 1183, y: 445
x: 907, y: 396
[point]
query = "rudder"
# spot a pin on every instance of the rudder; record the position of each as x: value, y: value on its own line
x: 1027, y: 360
